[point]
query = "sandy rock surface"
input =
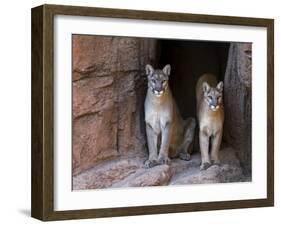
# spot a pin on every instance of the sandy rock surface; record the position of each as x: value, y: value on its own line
x: 130, y: 172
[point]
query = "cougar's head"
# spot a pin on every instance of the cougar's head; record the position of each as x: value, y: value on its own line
x: 158, y: 79
x: 213, y: 95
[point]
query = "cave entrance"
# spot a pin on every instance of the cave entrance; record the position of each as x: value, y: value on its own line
x: 231, y: 63
x: 189, y: 60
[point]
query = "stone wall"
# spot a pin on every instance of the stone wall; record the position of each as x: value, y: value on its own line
x: 238, y: 102
x: 109, y: 86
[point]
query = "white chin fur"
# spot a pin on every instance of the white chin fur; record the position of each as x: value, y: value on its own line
x: 215, y: 108
x: 158, y: 94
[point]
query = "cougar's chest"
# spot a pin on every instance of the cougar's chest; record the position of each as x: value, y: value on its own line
x: 153, y: 119
x: 211, y: 123
x: 157, y: 115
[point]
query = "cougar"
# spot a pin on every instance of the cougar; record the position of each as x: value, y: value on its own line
x: 210, y: 115
x: 168, y: 135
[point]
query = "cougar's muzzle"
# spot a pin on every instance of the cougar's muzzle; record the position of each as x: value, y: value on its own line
x: 159, y: 90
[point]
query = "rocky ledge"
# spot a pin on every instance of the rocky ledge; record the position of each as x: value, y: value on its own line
x: 130, y: 172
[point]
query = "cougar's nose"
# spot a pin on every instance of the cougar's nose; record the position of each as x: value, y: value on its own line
x: 214, y: 102
x: 158, y: 89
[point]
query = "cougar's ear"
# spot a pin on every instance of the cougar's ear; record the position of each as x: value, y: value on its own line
x: 220, y: 86
x: 206, y: 87
x: 149, y: 70
x: 167, y: 69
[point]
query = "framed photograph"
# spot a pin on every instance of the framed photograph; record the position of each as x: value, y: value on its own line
x: 141, y: 112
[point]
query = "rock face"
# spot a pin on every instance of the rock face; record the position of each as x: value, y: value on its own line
x: 129, y: 172
x: 106, y: 173
x: 238, y: 102
x: 109, y: 86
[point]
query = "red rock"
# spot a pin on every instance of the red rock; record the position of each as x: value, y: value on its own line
x: 156, y: 176
x: 108, y: 94
x: 94, y: 139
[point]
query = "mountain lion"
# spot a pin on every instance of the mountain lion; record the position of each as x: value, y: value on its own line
x: 210, y: 114
x: 165, y: 129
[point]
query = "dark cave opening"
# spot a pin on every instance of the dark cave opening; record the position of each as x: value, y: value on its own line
x: 189, y: 60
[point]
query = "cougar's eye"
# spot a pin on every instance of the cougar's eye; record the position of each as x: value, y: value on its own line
x: 153, y: 81
x: 210, y: 97
x: 164, y: 82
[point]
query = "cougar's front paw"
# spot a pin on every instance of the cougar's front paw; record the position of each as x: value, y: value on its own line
x: 205, y: 165
x: 216, y: 162
x: 150, y: 163
x: 164, y: 160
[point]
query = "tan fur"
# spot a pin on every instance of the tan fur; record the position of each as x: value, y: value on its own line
x: 165, y: 124
x: 210, y: 123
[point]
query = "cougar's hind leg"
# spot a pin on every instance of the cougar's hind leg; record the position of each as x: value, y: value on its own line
x: 187, y: 144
